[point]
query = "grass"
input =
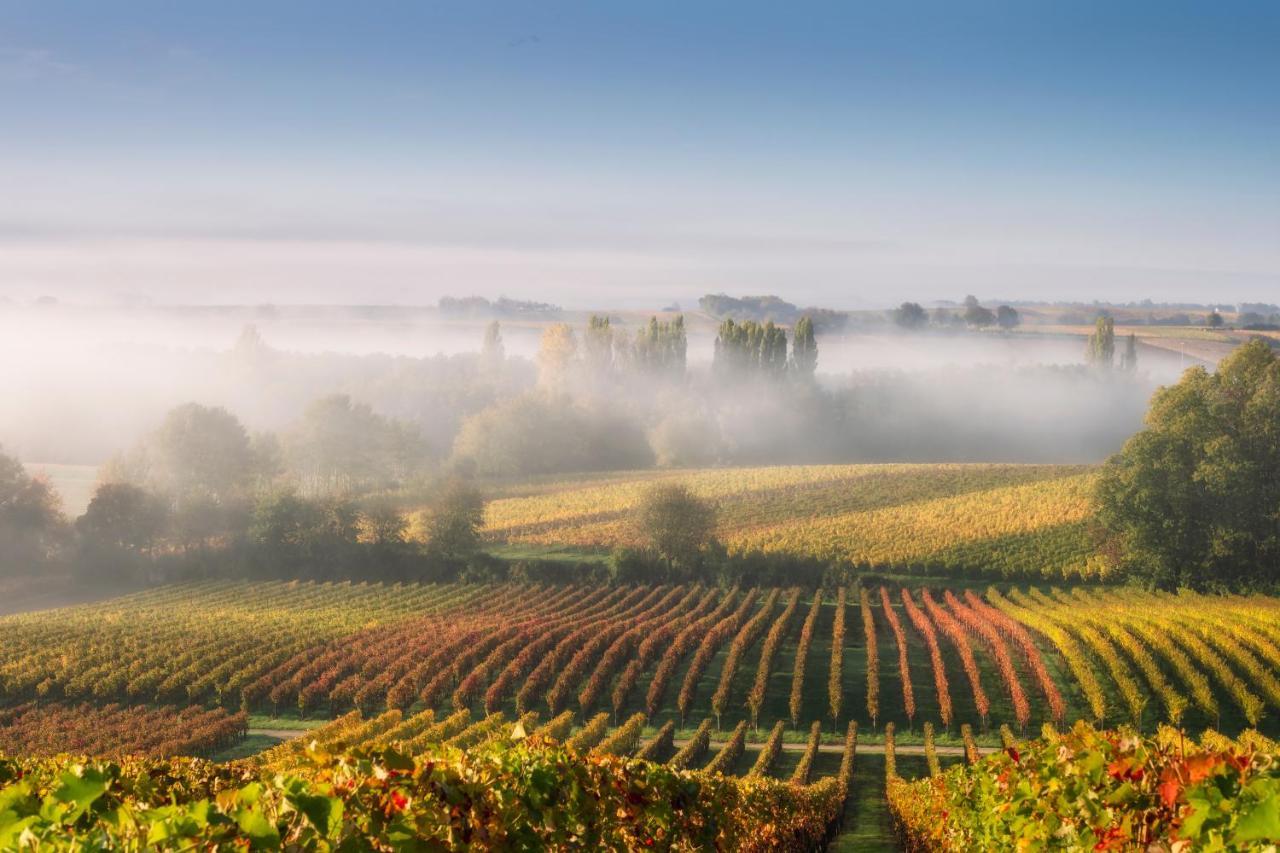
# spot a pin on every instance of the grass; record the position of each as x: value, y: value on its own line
x: 249, y: 746
x: 286, y: 722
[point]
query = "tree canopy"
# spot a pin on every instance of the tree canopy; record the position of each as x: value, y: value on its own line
x: 1194, y: 499
x: 675, y: 523
x: 910, y: 315
x: 31, y: 521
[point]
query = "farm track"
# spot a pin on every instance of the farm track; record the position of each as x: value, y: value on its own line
x: 715, y: 745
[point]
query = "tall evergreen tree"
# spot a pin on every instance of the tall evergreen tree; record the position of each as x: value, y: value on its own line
x: 1129, y: 359
x: 492, y: 352
x: 660, y: 347
x: 748, y: 348
x: 598, y: 344
x: 804, y: 348
x: 773, y: 350
x: 1101, y: 349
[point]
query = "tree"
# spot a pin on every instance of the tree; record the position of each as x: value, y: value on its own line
x: 1129, y: 359
x: 675, y: 523
x: 804, y: 348
x: 341, y: 446
x: 660, y: 348
x: 456, y: 520
x: 1007, y: 317
x: 492, y: 352
x: 598, y: 345
x: 975, y: 315
x: 123, y: 515
x: 297, y: 535
x: 1193, y: 499
x: 1214, y: 320
x: 200, y: 450
x: 1101, y: 347
x: 773, y: 350
x: 910, y: 315
x: 382, y: 525
x: 31, y: 522
x: 541, y: 433
x: 556, y: 352
x: 748, y: 348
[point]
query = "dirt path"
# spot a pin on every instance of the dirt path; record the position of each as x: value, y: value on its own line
x: 838, y: 748
x: 868, y: 748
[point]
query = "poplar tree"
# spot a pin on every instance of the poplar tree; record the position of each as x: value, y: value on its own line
x: 804, y: 348
x: 1101, y: 349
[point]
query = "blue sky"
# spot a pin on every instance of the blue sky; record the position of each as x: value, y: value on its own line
x: 634, y: 153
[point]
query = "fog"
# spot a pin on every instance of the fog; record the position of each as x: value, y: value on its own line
x: 86, y: 384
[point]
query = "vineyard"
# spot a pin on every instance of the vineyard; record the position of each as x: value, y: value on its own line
x: 1087, y: 789
x: 767, y: 684
x: 990, y: 519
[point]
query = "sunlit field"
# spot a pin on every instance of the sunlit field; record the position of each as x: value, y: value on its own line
x: 997, y: 519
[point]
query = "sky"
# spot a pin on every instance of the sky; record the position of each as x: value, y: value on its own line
x: 633, y: 154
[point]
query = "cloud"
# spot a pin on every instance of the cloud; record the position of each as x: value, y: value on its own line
x: 32, y: 64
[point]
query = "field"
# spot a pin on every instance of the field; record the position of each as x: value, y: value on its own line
x: 995, y: 520
x: 692, y: 676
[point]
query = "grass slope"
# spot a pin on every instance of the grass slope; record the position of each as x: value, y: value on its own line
x: 992, y: 519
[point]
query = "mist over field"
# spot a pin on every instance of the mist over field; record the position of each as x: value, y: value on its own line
x: 94, y: 381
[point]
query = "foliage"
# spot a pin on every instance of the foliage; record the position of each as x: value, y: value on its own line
x: 769, y: 752
x: 124, y: 516
x: 748, y: 348
x: 976, y: 315
x: 52, y: 728
x: 1191, y: 500
x: 804, y: 349
x: 931, y: 751
x: 695, y: 749
x: 835, y: 671
x: 456, y: 519
x: 1007, y: 317
x: 995, y: 644
x: 661, y: 745
x: 909, y: 315
x: 748, y: 307
x: 340, y: 446
x: 677, y: 524
x: 543, y: 432
x: 960, y: 640
x: 658, y: 349
x: 768, y: 650
x: 925, y: 627
x: 1098, y: 790
x: 802, y: 653
x: 731, y: 751
x: 804, y: 767
x: 31, y: 520
x: 1100, y: 349
x: 873, y: 658
x: 623, y: 740
x: 526, y: 795
x: 744, y: 639
x: 904, y: 667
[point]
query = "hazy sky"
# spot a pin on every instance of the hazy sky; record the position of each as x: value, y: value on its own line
x: 633, y: 153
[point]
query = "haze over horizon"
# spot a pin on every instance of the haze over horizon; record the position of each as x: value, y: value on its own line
x: 598, y: 156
